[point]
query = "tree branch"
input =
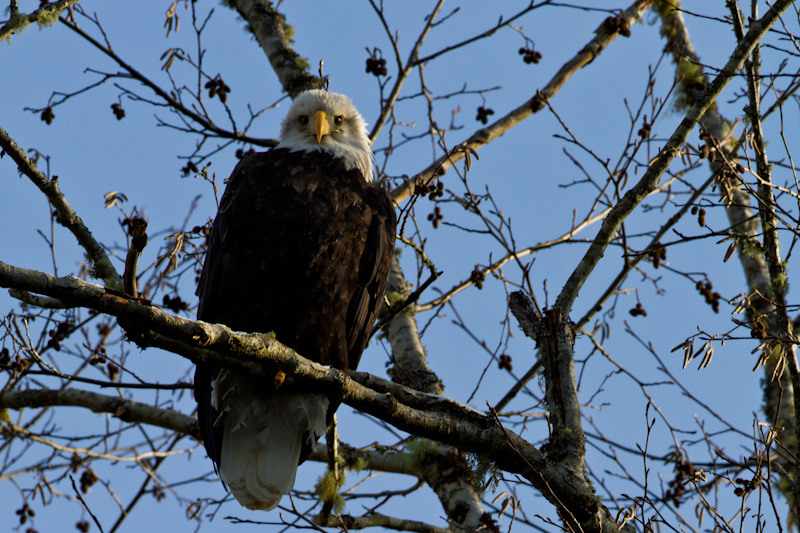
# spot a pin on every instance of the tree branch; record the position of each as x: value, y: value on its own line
x: 410, y: 362
x: 586, y: 55
x: 137, y: 412
x: 777, y: 272
x: 269, y: 28
x: 779, y: 394
x: 46, y: 15
x: 659, y: 165
x: 169, y: 100
x: 348, y: 522
x: 424, y: 415
x: 411, y: 62
x: 103, y: 269
x: 125, y: 410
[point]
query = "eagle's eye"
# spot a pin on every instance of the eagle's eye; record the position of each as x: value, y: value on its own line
x: 303, y: 120
x: 338, y: 119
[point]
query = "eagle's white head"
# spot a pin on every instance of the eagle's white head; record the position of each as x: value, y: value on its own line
x: 324, y: 121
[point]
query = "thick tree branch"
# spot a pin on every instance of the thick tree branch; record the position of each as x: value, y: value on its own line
x: 348, y: 523
x: 558, y: 362
x: 410, y: 361
x: 46, y: 15
x: 779, y: 394
x: 125, y: 410
x: 777, y: 271
x: 529, y: 322
x: 424, y: 415
x: 557, y: 338
x: 659, y: 165
x: 269, y: 28
x: 445, y: 467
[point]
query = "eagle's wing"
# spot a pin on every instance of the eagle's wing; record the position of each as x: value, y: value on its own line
x: 373, y: 272
x: 219, y: 270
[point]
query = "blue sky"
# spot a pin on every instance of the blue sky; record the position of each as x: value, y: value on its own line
x: 93, y: 153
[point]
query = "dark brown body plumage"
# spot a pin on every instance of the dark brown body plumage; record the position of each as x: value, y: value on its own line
x: 301, y: 247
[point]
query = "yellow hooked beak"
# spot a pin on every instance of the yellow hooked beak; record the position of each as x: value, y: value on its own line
x: 321, y: 125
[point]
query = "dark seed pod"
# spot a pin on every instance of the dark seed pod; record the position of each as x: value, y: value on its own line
x: 47, y: 115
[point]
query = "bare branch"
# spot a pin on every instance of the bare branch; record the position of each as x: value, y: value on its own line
x: 587, y: 54
x: 167, y: 98
x: 388, y: 105
x: 659, y: 165
x: 103, y: 269
x: 777, y: 271
x: 46, y: 15
x: 349, y: 522
x: 125, y: 410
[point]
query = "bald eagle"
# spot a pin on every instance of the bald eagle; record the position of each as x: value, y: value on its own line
x: 301, y: 247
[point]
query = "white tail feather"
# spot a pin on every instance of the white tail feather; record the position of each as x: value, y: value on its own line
x: 263, y: 437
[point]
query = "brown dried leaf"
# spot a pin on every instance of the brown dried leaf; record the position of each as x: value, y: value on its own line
x: 688, y: 353
x: 707, y: 357
x: 172, y: 19
x: 111, y: 198
x: 169, y: 61
x: 729, y: 253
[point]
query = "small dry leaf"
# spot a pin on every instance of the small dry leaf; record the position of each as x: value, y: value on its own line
x: 508, y: 501
x: 173, y: 21
x: 169, y: 60
x: 678, y: 347
x: 688, y: 353
x: 111, y: 198
x: 729, y: 253
x: 172, y: 255
x: 707, y: 357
